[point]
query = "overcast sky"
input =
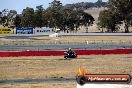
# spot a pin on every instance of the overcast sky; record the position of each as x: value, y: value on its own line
x: 19, y: 5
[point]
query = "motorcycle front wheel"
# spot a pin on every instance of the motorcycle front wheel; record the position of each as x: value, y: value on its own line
x: 65, y: 57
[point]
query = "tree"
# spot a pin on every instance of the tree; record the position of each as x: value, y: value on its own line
x: 124, y: 9
x: 86, y: 20
x: 70, y: 20
x: 5, y: 12
x: 11, y: 15
x: 73, y: 19
x: 4, y: 18
x: 51, y: 16
x: 65, y: 19
x: 56, y: 4
x: 77, y: 19
x: 17, y: 21
x: 7, y: 17
x: 1, y: 15
x: 38, y: 22
x: 108, y: 20
x: 27, y: 19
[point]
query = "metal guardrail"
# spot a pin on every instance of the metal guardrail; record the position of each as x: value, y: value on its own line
x: 71, y: 34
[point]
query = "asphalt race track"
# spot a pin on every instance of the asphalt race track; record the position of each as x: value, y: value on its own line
x: 70, y: 34
x: 64, y: 47
x: 45, y: 80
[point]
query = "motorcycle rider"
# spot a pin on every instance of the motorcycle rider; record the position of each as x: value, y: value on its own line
x: 69, y: 51
x: 70, y: 54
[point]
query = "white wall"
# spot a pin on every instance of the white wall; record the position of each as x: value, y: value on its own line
x: 104, y: 86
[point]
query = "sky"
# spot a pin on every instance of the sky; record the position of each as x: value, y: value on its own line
x: 19, y: 5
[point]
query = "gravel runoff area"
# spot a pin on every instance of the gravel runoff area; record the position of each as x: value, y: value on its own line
x: 52, y: 68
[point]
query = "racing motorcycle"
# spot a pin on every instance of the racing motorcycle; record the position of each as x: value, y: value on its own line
x: 70, y: 55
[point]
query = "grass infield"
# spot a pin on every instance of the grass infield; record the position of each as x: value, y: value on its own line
x: 40, y: 67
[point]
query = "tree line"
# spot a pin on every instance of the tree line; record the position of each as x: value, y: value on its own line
x: 55, y: 16
x: 86, y: 5
x: 119, y: 12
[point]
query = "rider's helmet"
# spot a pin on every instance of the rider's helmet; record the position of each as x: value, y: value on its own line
x: 70, y: 49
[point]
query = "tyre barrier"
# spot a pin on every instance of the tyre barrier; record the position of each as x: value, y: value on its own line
x: 61, y: 52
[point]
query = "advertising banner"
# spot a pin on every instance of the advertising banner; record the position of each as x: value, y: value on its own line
x: 6, y: 31
x: 24, y: 30
x: 42, y: 30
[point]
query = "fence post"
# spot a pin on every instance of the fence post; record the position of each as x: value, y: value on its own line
x: 102, y: 42
x: 111, y: 42
x: 87, y: 42
x: 120, y: 42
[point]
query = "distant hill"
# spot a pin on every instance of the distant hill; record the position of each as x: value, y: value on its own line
x: 95, y: 12
x: 86, y: 5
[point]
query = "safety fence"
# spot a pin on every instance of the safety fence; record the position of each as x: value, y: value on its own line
x: 61, y: 52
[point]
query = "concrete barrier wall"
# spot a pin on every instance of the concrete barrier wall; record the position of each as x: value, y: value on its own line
x: 60, y: 53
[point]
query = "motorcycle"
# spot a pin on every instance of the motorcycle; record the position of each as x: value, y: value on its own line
x: 70, y: 55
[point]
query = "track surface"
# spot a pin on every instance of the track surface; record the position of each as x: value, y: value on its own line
x: 45, y: 80
x: 63, y: 47
x: 72, y: 34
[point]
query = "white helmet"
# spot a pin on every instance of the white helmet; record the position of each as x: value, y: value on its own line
x: 69, y: 48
